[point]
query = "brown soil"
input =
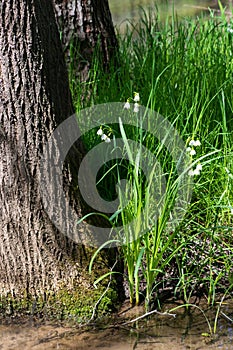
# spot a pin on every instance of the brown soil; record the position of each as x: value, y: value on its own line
x: 155, y: 332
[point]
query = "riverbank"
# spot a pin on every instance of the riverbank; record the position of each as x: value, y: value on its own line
x: 188, y: 330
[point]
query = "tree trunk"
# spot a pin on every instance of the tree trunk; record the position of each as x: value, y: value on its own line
x: 34, y: 98
x: 86, y: 24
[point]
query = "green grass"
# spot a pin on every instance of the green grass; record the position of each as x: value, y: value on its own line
x: 183, y: 70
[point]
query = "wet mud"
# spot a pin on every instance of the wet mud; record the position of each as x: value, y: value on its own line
x: 188, y: 330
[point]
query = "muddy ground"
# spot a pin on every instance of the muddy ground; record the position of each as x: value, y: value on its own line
x: 160, y: 332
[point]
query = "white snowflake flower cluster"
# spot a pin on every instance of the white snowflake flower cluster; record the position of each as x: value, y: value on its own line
x: 196, y: 171
x: 193, y: 144
x: 103, y: 136
x: 192, y: 152
x: 136, y: 100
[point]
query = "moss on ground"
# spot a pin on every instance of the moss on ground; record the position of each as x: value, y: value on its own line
x: 76, y: 305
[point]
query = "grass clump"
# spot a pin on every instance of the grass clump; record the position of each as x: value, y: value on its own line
x: 183, y: 70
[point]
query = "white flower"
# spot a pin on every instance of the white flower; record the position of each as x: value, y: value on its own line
x: 194, y: 143
x: 188, y: 149
x: 197, y: 143
x: 127, y: 105
x: 199, y: 167
x: 192, y: 152
x: 196, y: 172
x: 104, y: 137
x: 136, y: 107
x: 136, y: 97
x: 107, y: 140
x: 230, y: 30
x: 191, y: 172
x: 100, y: 132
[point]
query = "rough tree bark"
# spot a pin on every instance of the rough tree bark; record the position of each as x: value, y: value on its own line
x: 86, y: 24
x: 34, y: 98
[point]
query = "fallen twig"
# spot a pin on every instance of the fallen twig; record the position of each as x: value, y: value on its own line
x: 227, y: 317
x: 148, y: 314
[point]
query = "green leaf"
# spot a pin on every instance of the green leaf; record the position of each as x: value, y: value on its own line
x: 104, y: 276
x: 98, y: 250
x: 138, y: 263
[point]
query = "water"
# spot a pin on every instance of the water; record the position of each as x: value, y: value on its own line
x: 187, y: 331
x: 129, y: 9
